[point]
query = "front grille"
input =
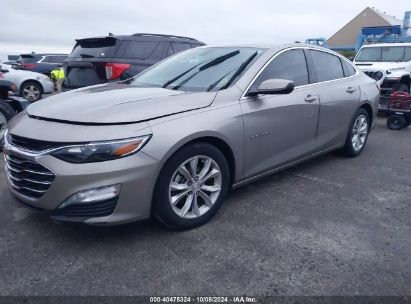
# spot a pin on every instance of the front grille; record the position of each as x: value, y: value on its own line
x: 28, y: 177
x: 98, y: 209
x: 33, y: 144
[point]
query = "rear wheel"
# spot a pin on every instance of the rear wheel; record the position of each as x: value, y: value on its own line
x: 191, y: 187
x: 396, y: 122
x: 358, y: 134
x: 32, y: 91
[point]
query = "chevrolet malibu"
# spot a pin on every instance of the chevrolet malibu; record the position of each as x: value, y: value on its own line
x: 172, y: 141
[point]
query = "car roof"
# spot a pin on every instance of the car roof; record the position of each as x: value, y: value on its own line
x: 148, y: 37
x: 273, y: 47
x: 43, y: 54
x: 387, y: 44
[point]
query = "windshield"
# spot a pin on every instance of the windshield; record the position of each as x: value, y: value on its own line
x: 386, y: 53
x: 199, y: 69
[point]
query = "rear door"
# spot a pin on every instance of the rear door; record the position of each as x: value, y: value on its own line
x: 280, y: 128
x: 339, y: 95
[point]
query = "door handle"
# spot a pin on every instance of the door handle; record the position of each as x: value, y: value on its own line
x: 351, y: 90
x: 311, y: 98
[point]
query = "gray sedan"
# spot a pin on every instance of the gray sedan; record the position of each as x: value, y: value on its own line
x: 172, y: 141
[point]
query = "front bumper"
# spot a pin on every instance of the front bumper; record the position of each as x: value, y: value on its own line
x: 136, y: 174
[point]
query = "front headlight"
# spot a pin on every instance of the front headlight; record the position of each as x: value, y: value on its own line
x: 101, y: 151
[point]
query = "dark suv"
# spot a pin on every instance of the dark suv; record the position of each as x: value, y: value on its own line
x: 40, y: 63
x: 113, y: 58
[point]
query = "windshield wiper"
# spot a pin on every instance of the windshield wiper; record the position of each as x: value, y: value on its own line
x: 219, y: 60
x: 212, y: 86
x: 179, y: 76
x: 239, y: 70
x: 206, y: 65
x: 87, y: 56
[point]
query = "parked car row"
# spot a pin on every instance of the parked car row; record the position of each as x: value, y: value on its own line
x: 39, y: 63
x: 94, y: 61
x: 112, y: 58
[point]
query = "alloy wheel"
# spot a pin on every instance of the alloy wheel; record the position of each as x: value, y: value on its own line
x: 195, y: 187
x: 31, y: 93
x: 359, y: 132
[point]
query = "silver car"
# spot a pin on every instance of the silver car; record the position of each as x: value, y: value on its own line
x: 172, y: 141
x: 30, y: 85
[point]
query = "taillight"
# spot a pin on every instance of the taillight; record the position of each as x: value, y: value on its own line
x: 1, y: 75
x: 114, y: 70
x: 29, y: 66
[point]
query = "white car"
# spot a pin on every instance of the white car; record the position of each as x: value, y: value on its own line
x: 30, y: 85
x: 388, y: 63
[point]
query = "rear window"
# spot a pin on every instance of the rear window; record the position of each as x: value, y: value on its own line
x: 99, y: 47
x: 55, y: 59
x: 27, y: 59
x: 348, y: 69
x: 179, y: 47
x: 328, y: 66
x: 136, y: 49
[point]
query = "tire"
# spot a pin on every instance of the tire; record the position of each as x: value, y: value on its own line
x: 396, y: 122
x: 401, y: 87
x: 190, y: 217
x: 6, y: 113
x: 31, y: 90
x: 351, y: 149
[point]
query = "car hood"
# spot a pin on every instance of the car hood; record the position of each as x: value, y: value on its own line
x: 24, y: 73
x: 117, y: 104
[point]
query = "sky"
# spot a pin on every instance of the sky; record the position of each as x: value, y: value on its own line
x: 53, y: 25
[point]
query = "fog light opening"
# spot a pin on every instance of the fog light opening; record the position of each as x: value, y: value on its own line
x: 92, y: 195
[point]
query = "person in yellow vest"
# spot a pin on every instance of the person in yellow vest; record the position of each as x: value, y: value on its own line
x: 58, y: 77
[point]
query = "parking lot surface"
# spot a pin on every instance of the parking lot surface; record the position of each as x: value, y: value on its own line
x: 330, y: 226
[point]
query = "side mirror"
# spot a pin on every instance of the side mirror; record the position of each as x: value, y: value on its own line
x: 273, y: 86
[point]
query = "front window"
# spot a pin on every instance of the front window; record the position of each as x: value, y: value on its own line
x: 386, y: 53
x: 199, y: 69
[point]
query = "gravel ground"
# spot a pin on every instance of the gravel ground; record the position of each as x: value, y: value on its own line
x: 331, y: 226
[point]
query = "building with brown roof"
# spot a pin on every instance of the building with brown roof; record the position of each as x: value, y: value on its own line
x: 347, y: 35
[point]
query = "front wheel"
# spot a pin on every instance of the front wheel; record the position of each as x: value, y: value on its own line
x: 191, y: 187
x: 358, y: 134
x: 32, y: 91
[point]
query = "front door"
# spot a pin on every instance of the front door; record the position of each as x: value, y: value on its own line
x: 280, y: 128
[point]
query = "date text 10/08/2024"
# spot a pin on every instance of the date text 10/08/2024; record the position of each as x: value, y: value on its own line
x: 234, y: 299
